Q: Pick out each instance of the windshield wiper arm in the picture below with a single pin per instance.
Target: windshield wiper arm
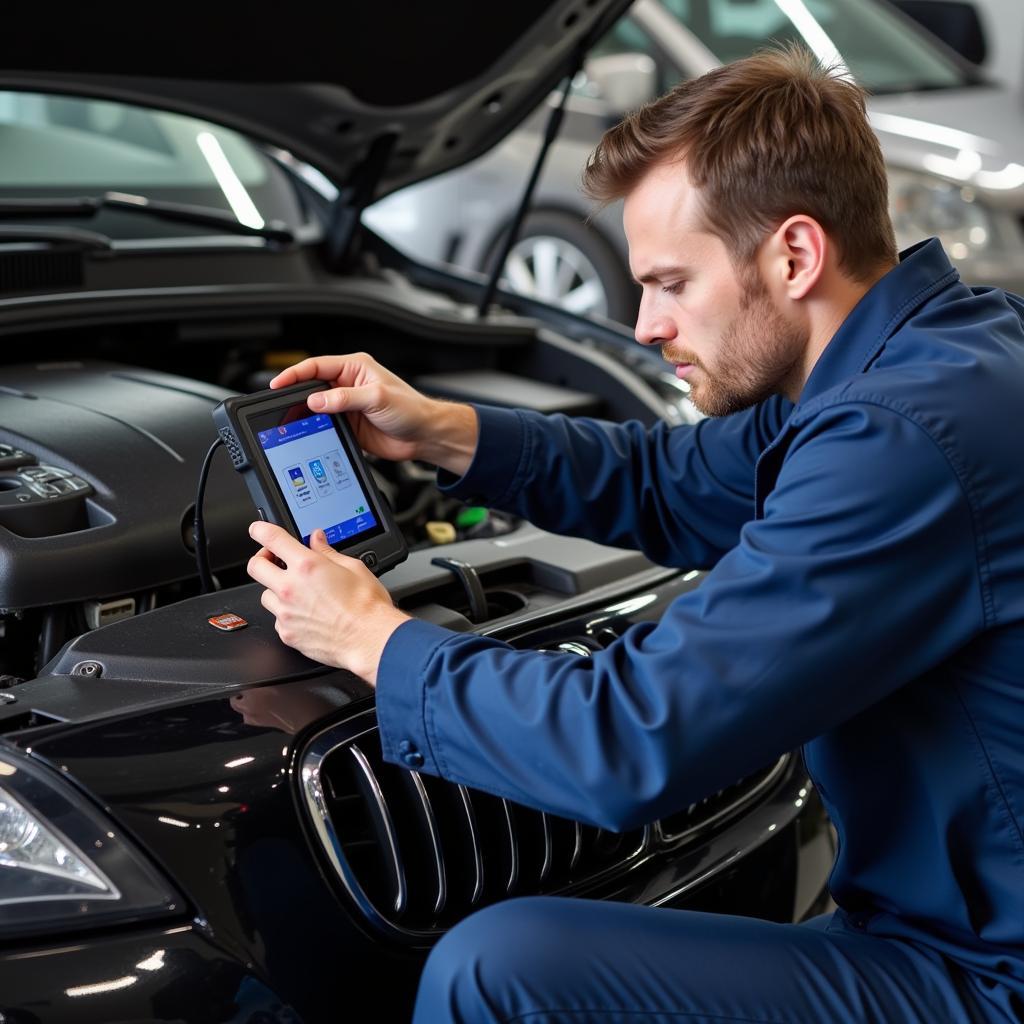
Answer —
(182, 213)
(33, 236)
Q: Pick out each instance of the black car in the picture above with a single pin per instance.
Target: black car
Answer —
(196, 823)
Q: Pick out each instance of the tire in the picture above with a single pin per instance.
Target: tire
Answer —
(560, 260)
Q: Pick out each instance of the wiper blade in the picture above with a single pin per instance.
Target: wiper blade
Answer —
(32, 236)
(182, 213)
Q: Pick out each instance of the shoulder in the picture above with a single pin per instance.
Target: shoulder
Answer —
(869, 438)
(956, 372)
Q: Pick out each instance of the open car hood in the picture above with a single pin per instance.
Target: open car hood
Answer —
(375, 95)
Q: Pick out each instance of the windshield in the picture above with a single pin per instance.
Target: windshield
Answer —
(883, 53)
(60, 146)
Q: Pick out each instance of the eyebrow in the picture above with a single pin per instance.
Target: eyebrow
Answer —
(661, 273)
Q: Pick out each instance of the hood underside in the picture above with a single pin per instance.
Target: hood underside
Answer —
(425, 87)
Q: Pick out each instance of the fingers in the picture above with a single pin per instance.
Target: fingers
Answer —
(277, 542)
(316, 368)
(346, 399)
(345, 369)
(271, 602)
(264, 570)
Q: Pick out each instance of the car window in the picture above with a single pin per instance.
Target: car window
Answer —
(882, 53)
(625, 36)
(58, 146)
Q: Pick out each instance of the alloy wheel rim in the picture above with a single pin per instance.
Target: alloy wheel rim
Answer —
(555, 271)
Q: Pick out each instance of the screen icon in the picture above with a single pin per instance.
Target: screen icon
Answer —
(316, 467)
(302, 494)
(338, 466)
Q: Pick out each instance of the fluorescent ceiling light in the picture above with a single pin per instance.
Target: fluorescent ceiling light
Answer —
(230, 184)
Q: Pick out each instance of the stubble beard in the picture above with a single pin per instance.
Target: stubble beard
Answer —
(760, 351)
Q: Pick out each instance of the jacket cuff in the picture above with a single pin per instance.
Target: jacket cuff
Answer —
(496, 462)
(400, 694)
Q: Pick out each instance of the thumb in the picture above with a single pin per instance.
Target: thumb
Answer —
(318, 543)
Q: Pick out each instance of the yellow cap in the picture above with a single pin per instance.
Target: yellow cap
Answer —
(440, 532)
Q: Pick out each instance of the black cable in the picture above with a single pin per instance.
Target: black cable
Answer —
(199, 530)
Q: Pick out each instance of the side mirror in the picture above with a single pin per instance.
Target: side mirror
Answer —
(955, 22)
(624, 81)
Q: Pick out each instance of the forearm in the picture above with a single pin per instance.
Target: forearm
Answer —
(453, 438)
(680, 495)
(612, 483)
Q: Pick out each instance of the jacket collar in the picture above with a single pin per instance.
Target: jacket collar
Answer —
(923, 270)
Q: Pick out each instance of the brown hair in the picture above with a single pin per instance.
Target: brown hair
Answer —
(763, 138)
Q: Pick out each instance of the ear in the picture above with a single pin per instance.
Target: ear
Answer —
(797, 252)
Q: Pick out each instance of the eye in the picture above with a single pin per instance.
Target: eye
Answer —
(673, 289)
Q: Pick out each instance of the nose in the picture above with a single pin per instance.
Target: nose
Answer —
(653, 327)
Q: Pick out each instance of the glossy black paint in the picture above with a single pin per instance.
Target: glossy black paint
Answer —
(208, 789)
(204, 780)
(171, 974)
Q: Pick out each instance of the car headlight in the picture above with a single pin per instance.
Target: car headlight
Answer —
(62, 865)
(922, 206)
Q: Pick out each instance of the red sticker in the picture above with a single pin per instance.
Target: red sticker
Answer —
(227, 622)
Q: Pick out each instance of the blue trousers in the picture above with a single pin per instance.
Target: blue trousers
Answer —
(542, 960)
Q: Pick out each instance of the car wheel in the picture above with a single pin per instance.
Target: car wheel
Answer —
(560, 260)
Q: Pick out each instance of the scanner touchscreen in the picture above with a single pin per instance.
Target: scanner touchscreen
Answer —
(314, 473)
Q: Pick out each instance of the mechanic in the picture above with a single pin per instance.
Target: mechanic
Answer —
(856, 494)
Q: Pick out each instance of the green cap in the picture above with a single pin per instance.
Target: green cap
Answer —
(470, 516)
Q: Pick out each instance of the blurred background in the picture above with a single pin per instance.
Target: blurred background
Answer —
(945, 83)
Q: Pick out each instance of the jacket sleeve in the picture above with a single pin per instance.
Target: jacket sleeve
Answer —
(867, 540)
(679, 494)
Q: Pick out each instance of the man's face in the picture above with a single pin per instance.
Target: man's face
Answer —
(721, 329)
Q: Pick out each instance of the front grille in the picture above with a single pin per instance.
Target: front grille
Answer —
(417, 853)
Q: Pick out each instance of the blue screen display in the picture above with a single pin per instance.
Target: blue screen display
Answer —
(317, 478)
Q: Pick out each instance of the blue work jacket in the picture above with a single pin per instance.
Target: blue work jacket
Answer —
(865, 601)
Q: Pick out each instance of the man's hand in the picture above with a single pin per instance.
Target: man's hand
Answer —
(389, 417)
(327, 605)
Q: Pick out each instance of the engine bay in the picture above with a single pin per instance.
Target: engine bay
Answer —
(100, 458)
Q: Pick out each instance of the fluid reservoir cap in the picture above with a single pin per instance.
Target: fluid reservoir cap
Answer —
(470, 516)
(440, 532)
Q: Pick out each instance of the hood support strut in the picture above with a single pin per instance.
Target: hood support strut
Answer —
(550, 134)
(348, 207)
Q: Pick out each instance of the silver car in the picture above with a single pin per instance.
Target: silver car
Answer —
(953, 142)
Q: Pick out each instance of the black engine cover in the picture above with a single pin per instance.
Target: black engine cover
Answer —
(128, 445)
